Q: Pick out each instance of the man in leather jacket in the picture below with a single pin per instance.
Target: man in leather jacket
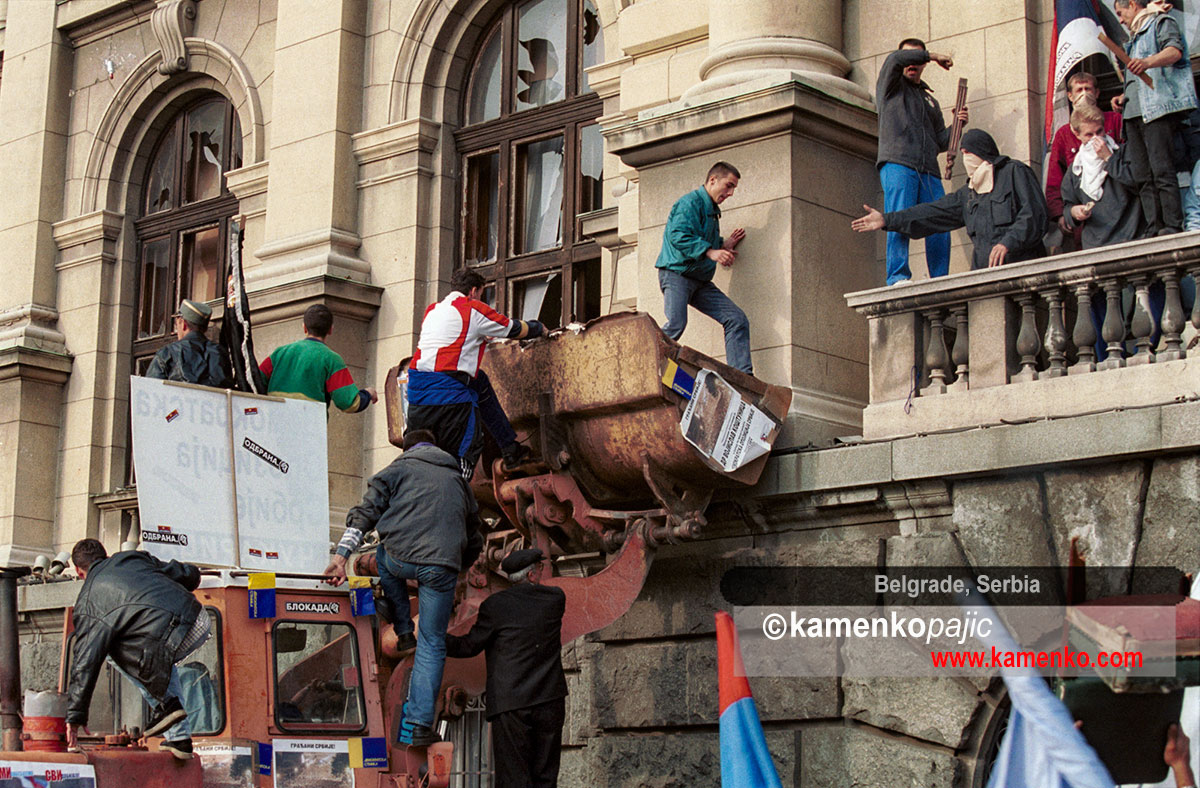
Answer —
(194, 358)
(140, 614)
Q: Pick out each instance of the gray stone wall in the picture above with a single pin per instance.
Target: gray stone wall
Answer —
(643, 704)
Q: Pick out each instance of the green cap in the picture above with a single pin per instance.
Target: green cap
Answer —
(196, 313)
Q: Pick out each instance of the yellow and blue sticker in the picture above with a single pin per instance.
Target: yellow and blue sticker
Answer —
(362, 599)
(262, 595)
(368, 753)
(677, 380)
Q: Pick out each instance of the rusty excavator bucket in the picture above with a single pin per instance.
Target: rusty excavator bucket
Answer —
(613, 476)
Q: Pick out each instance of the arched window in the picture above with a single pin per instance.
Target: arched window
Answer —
(532, 160)
(185, 210)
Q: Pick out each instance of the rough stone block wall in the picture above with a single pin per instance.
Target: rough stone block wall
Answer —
(643, 708)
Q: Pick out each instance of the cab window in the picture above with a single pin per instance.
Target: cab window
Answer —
(318, 680)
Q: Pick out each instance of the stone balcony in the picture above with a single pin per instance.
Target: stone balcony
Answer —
(1018, 343)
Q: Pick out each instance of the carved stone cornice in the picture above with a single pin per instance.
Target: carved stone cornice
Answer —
(172, 21)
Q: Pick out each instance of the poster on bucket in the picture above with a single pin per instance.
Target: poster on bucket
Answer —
(32, 774)
(249, 491)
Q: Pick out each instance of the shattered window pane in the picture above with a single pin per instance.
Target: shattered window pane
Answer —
(160, 188)
(541, 53)
(482, 208)
(593, 42)
(539, 196)
(203, 134)
(153, 308)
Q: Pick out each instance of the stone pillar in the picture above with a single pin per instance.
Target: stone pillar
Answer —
(310, 235)
(34, 362)
(774, 103)
(776, 40)
(312, 203)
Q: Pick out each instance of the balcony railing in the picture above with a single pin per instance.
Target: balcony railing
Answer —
(1040, 339)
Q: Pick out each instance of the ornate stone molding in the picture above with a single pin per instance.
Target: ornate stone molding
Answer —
(172, 22)
(396, 151)
(330, 252)
(32, 328)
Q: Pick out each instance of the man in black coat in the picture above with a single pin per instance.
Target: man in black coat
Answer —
(520, 630)
(1001, 205)
(193, 358)
(139, 613)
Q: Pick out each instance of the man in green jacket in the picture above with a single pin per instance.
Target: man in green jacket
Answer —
(692, 247)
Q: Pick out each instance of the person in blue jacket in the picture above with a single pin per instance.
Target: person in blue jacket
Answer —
(691, 250)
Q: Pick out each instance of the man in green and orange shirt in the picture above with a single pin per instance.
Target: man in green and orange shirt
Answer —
(310, 370)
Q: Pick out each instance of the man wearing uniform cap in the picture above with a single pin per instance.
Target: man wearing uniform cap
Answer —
(520, 631)
(193, 358)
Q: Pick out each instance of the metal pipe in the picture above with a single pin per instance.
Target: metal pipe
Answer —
(10, 662)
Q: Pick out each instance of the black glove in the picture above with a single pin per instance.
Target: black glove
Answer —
(536, 329)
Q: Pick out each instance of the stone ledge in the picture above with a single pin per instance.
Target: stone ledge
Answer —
(1095, 437)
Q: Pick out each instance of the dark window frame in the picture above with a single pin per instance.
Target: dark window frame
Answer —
(505, 135)
(316, 728)
(177, 222)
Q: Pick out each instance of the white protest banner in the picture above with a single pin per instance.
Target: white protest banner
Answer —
(323, 763)
(193, 463)
(724, 427)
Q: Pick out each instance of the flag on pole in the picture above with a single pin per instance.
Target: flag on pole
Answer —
(1075, 36)
(236, 339)
(745, 760)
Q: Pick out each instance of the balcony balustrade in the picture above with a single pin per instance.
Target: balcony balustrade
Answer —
(1059, 336)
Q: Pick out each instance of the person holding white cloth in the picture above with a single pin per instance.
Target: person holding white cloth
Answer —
(1099, 192)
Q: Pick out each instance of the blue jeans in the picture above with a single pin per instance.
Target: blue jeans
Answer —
(679, 291)
(435, 600)
(495, 420)
(904, 187)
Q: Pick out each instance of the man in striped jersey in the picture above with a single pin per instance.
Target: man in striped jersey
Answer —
(447, 392)
(311, 370)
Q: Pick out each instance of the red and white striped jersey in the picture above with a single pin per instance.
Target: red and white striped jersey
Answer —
(454, 332)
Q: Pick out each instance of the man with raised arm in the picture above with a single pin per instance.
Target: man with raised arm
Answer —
(448, 394)
(912, 133)
(311, 370)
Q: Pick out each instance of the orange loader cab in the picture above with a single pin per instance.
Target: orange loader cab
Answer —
(269, 699)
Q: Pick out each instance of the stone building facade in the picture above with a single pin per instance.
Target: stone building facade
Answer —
(373, 145)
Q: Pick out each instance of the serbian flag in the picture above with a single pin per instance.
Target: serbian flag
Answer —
(745, 761)
(1076, 35)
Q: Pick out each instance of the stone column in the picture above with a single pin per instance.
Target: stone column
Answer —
(311, 238)
(34, 362)
(775, 40)
(312, 203)
(774, 103)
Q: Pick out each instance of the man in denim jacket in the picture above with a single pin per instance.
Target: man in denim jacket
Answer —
(1153, 115)
(692, 247)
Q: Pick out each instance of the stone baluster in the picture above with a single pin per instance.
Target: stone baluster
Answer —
(1029, 344)
(1173, 319)
(1056, 334)
(1084, 334)
(1143, 323)
(1113, 329)
(937, 358)
(1195, 272)
(961, 352)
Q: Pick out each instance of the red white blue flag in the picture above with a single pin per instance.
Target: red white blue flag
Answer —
(745, 760)
(1077, 28)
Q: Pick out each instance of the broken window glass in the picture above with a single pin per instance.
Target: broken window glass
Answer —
(201, 254)
(591, 168)
(539, 196)
(541, 53)
(539, 298)
(203, 134)
(160, 190)
(593, 42)
(153, 308)
(481, 208)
